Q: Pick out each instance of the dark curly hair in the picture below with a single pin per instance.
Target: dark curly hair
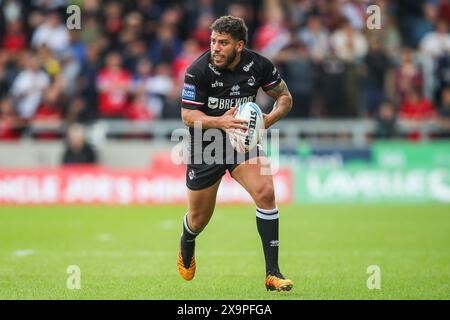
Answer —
(234, 26)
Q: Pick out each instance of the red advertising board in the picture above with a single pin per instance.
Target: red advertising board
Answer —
(100, 185)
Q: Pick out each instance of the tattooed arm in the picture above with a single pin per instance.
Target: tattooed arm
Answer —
(282, 105)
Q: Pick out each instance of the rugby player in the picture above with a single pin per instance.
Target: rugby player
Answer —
(222, 78)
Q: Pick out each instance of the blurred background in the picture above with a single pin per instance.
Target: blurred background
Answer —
(370, 121)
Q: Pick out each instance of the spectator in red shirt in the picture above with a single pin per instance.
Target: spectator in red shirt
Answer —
(114, 84)
(49, 110)
(190, 52)
(416, 107)
(444, 10)
(14, 39)
(272, 35)
(49, 113)
(202, 33)
(138, 110)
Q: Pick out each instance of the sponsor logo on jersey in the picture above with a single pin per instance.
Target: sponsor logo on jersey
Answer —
(188, 91)
(247, 67)
(216, 84)
(225, 104)
(214, 69)
(213, 103)
(235, 90)
(251, 81)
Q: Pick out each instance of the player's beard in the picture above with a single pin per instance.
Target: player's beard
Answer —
(229, 61)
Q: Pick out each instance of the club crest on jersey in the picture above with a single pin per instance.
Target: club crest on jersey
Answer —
(191, 174)
(247, 67)
(235, 90)
(251, 81)
(188, 91)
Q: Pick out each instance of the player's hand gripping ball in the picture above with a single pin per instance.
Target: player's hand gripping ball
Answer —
(244, 141)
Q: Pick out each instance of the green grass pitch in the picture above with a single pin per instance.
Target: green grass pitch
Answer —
(130, 252)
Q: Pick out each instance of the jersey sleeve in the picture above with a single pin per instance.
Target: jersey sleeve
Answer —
(271, 76)
(194, 92)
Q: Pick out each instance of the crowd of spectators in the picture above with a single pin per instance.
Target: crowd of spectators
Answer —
(128, 58)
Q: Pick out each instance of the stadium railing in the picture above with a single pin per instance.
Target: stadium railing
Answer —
(356, 132)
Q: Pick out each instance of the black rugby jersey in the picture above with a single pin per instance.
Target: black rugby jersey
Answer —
(215, 91)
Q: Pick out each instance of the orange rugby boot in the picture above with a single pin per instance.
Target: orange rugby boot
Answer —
(277, 282)
(186, 272)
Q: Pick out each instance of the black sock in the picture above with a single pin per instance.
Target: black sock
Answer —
(267, 223)
(187, 242)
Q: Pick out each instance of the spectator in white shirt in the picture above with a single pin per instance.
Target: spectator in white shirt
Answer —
(315, 37)
(349, 44)
(28, 87)
(52, 33)
(436, 43)
(435, 49)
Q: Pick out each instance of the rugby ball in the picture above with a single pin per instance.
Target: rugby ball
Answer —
(244, 141)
